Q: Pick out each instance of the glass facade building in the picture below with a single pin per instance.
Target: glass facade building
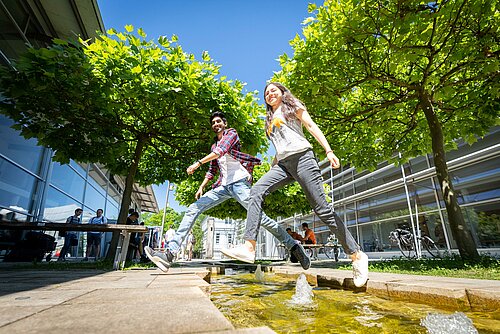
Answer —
(32, 186)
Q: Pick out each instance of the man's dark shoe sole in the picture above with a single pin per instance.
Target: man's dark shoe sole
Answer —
(300, 255)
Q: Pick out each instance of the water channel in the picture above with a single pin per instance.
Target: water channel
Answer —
(271, 300)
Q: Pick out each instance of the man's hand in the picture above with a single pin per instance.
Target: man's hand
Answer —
(199, 193)
(193, 167)
(334, 161)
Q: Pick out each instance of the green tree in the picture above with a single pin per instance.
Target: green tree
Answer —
(408, 77)
(198, 235)
(283, 202)
(138, 107)
(172, 218)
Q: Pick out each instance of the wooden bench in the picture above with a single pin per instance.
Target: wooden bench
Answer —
(124, 230)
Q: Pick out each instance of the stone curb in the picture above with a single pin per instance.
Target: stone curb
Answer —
(452, 293)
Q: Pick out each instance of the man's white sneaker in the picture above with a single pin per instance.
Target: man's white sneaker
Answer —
(360, 269)
(240, 252)
(158, 258)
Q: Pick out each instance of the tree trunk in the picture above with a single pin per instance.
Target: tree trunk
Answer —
(459, 229)
(127, 196)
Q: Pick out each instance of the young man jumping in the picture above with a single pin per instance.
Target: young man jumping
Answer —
(235, 175)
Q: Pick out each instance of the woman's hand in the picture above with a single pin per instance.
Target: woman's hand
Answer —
(334, 161)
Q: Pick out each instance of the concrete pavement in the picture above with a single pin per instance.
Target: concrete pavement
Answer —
(90, 301)
(137, 301)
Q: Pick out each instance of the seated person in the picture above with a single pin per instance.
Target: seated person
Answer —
(293, 234)
(310, 239)
(136, 239)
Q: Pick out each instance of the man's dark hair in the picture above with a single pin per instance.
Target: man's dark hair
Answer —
(218, 114)
(130, 211)
(135, 213)
(289, 229)
(78, 209)
(305, 225)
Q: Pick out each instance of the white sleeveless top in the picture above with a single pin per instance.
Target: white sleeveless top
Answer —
(287, 136)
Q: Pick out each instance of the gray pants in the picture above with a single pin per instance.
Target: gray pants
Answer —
(303, 168)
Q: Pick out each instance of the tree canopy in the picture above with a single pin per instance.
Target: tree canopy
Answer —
(363, 68)
(172, 218)
(407, 77)
(139, 107)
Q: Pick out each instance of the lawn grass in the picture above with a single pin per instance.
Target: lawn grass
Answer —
(449, 266)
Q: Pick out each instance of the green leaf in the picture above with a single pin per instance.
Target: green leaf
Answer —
(141, 33)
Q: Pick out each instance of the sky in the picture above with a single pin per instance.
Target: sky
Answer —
(244, 37)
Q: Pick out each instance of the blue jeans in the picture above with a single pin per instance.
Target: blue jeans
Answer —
(303, 168)
(67, 244)
(240, 191)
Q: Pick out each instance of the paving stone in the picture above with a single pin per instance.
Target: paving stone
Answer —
(484, 299)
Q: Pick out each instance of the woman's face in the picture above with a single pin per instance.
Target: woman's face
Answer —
(273, 96)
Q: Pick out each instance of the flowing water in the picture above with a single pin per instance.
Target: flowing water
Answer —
(249, 303)
(259, 274)
(303, 296)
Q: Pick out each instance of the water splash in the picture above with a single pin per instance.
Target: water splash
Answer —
(259, 274)
(367, 317)
(456, 323)
(303, 292)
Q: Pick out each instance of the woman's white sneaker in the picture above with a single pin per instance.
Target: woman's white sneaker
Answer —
(240, 252)
(360, 269)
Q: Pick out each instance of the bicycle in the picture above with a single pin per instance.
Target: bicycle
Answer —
(407, 246)
(331, 249)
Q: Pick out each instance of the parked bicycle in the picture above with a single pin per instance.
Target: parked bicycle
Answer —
(331, 248)
(406, 243)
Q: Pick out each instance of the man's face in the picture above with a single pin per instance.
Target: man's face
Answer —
(304, 228)
(79, 212)
(218, 125)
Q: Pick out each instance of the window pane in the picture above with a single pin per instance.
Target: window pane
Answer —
(378, 178)
(484, 221)
(58, 206)
(16, 187)
(93, 199)
(383, 206)
(416, 165)
(80, 168)
(66, 179)
(97, 179)
(478, 182)
(111, 213)
(423, 193)
(15, 147)
(11, 216)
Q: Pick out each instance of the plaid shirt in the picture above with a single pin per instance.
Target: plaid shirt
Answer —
(230, 144)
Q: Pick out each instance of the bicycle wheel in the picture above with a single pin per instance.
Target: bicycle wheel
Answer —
(431, 247)
(309, 252)
(407, 248)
